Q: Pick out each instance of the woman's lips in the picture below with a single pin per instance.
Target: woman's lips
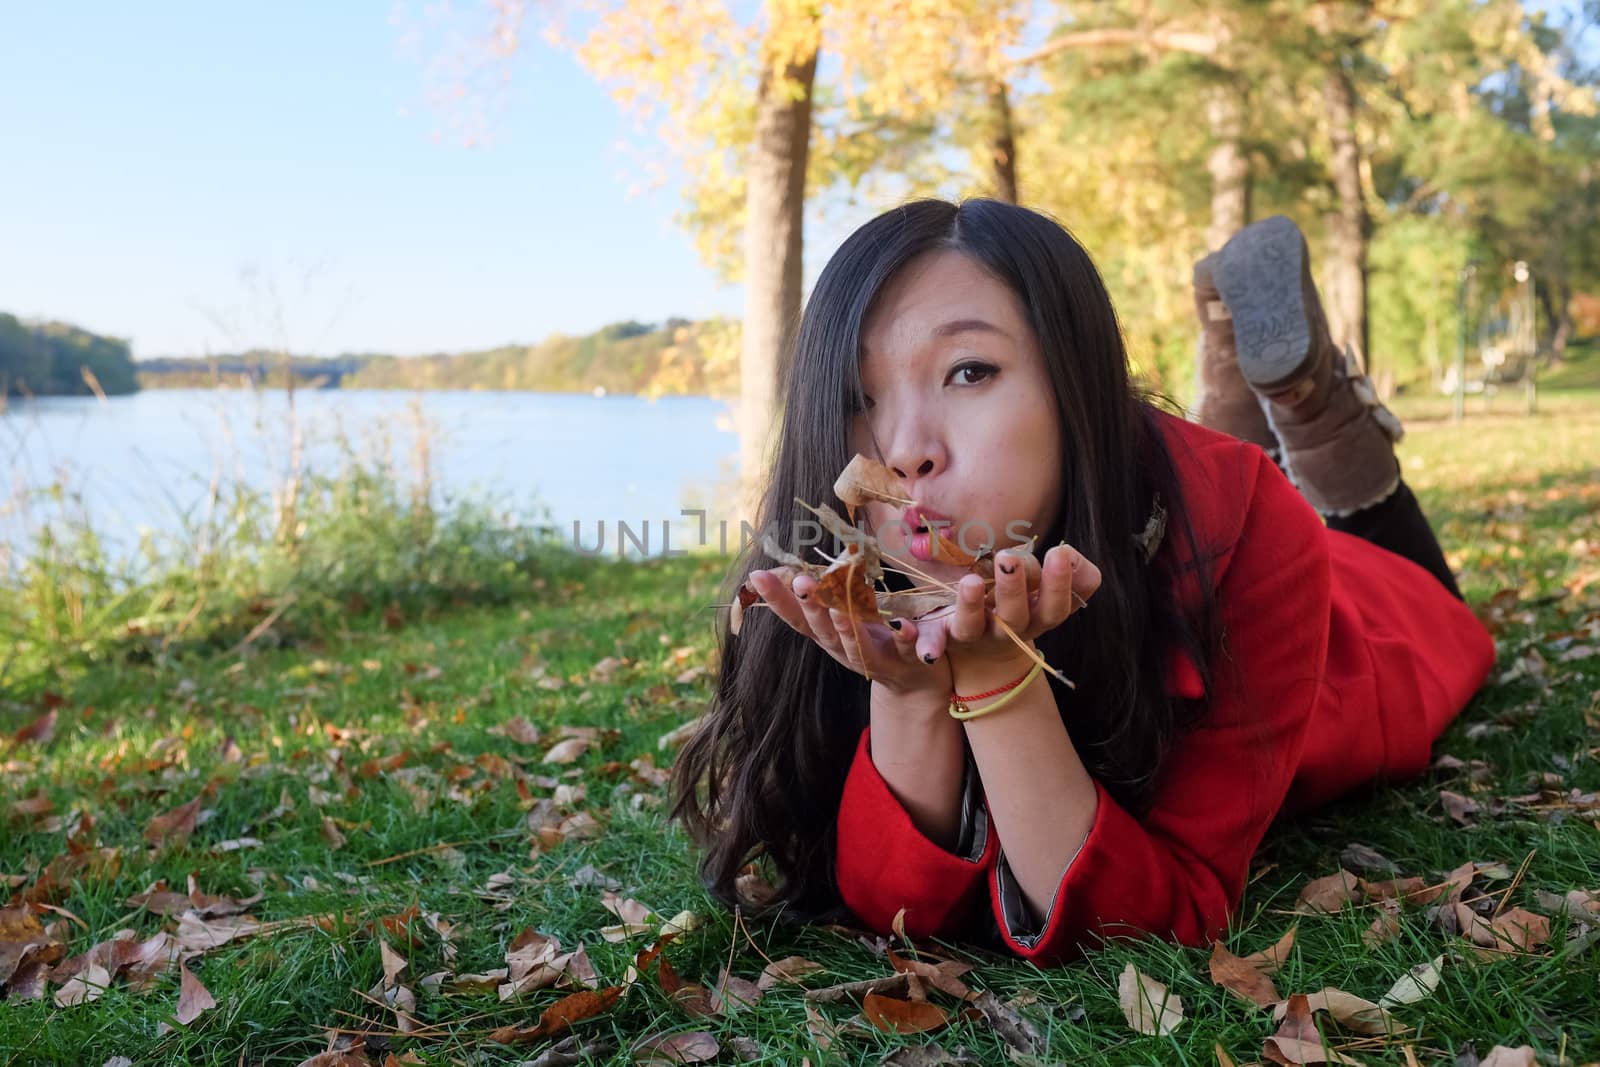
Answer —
(920, 522)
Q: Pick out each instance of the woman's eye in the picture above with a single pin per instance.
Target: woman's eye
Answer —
(972, 373)
(862, 404)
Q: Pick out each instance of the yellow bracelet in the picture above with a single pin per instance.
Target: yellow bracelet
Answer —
(960, 711)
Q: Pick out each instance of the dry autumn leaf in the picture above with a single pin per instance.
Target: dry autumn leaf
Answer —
(1349, 1011)
(864, 479)
(84, 987)
(568, 751)
(1269, 961)
(1018, 1033)
(1298, 1041)
(193, 998)
(174, 827)
(1240, 978)
(1502, 1056)
(695, 1047)
(788, 969)
(624, 908)
(576, 1007)
(1416, 984)
(1331, 893)
(1146, 1003)
(902, 1016)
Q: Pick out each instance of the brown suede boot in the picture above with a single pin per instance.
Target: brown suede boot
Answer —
(1338, 441)
(1224, 401)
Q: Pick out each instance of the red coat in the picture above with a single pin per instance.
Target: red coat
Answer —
(1347, 661)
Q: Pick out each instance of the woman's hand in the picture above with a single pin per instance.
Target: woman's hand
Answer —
(886, 654)
(1031, 599)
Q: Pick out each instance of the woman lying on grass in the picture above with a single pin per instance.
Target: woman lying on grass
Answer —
(1236, 658)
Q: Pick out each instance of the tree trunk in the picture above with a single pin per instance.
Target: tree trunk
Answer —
(1002, 144)
(775, 200)
(1228, 164)
(1349, 227)
(1554, 296)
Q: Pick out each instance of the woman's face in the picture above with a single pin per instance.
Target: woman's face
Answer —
(960, 408)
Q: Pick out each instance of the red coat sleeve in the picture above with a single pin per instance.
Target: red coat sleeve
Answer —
(1180, 869)
(885, 863)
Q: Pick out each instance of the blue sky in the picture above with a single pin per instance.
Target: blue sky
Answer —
(210, 177)
(153, 152)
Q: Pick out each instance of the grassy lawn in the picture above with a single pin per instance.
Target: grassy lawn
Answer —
(376, 789)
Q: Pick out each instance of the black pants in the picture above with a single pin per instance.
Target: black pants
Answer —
(1398, 525)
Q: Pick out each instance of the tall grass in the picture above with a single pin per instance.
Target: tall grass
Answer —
(290, 562)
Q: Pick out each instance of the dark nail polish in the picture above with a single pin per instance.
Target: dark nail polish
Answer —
(894, 624)
(803, 596)
(1007, 568)
(927, 658)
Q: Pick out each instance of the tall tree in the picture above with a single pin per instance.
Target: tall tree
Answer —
(744, 99)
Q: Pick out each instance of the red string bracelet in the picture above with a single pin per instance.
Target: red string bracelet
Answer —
(991, 693)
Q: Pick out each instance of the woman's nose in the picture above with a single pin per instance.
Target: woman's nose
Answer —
(923, 469)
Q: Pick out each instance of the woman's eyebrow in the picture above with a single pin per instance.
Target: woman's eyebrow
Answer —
(950, 329)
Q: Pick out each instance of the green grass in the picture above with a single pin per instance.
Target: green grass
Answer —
(1515, 500)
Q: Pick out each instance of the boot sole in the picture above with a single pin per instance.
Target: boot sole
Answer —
(1258, 274)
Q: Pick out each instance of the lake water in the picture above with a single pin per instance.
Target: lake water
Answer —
(145, 461)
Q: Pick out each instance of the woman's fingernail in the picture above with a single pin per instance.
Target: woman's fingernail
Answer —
(894, 624)
(1007, 568)
(802, 596)
(926, 658)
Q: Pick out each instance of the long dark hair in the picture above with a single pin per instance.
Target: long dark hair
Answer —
(764, 775)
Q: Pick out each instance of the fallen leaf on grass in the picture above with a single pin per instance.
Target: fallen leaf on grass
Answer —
(732, 993)
(519, 730)
(31, 809)
(1240, 978)
(1385, 927)
(570, 1009)
(568, 751)
(196, 933)
(788, 969)
(1269, 961)
(682, 923)
(1520, 929)
(929, 1056)
(902, 1016)
(1297, 1040)
(193, 998)
(1577, 902)
(1329, 894)
(174, 827)
(24, 942)
(1364, 858)
(695, 1047)
(338, 1058)
(1146, 1003)
(160, 900)
(1348, 1010)
(676, 736)
(332, 836)
(569, 1052)
(624, 931)
(894, 984)
(1017, 1032)
(86, 986)
(1501, 1056)
(39, 731)
(694, 1000)
(944, 976)
(1416, 984)
(625, 908)
(1460, 808)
